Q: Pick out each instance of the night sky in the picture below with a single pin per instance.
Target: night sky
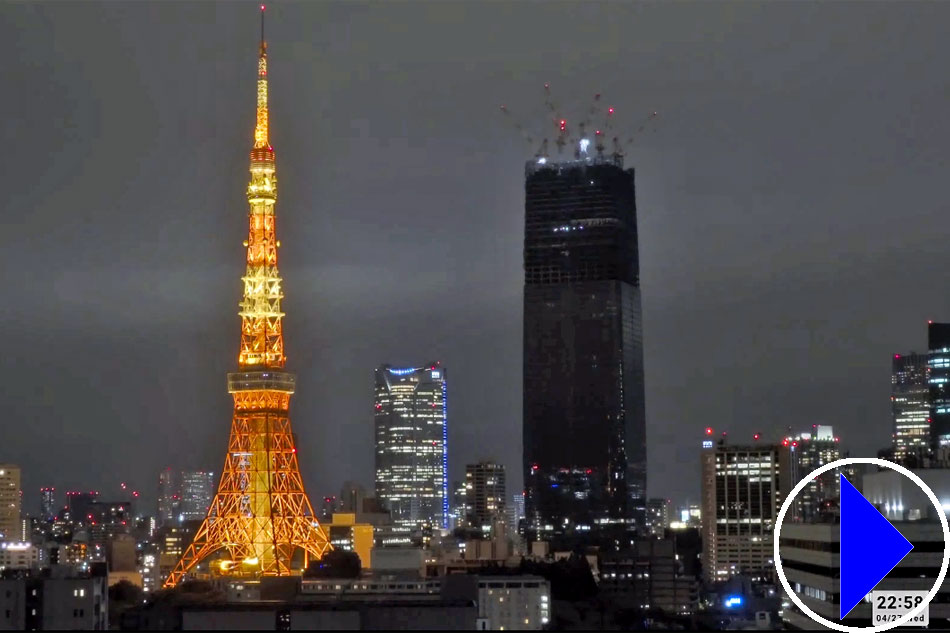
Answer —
(792, 210)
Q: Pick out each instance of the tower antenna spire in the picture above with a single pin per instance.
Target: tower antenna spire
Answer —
(263, 43)
(261, 138)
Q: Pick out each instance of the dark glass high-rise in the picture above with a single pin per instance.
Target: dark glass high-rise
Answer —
(584, 428)
(938, 365)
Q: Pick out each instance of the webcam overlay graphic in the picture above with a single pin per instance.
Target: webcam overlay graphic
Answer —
(870, 547)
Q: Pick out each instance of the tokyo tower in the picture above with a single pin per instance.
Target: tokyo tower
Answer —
(260, 515)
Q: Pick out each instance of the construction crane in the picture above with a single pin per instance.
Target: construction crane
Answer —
(554, 116)
(542, 150)
(596, 118)
(645, 126)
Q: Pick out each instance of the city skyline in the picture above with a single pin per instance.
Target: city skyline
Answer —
(765, 217)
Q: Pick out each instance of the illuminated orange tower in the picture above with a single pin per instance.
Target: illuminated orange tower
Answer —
(261, 514)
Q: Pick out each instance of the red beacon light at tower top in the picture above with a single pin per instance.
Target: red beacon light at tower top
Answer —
(709, 430)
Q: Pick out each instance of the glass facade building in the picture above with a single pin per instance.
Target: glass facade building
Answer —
(584, 433)
(10, 499)
(48, 503)
(168, 496)
(910, 405)
(809, 452)
(197, 491)
(484, 493)
(938, 363)
(412, 444)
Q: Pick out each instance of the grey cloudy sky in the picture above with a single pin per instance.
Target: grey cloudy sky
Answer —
(792, 209)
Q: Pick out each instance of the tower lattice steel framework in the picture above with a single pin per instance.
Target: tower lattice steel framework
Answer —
(261, 514)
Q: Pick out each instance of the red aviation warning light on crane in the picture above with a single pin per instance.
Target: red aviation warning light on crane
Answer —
(591, 132)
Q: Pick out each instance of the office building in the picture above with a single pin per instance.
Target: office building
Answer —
(910, 405)
(11, 528)
(362, 604)
(412, 444)
(122, 557)
(515, 513)
(484, 493)
(659, 516)
(121, 553)
(79, 505)
(352, 497)
(938, 364)
(107, 519)
(505, 603)
(584, 433)
(348, 535)
(148, 569)
(366, 616)
(811, 562)
(57, 601)
(197, 491)
(458, 508)
(328, 506)
(690, 516)
(651, 575)
(172, 541)
(48, 504)
(513, 603)
(900, 499)
(169, 492)
(76, 554)
(15, 555)
(742, 490)
(810, 451)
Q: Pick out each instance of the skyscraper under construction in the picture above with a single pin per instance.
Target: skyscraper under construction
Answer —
(584, 434)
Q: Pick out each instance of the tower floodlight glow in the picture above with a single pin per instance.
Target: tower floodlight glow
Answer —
(260, 516)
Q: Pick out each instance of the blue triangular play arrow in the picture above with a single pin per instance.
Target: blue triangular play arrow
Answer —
(870, 547)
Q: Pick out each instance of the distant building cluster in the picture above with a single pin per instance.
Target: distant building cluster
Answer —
(184, 495)
(743, 488)
(421, 551)
(920, 399)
